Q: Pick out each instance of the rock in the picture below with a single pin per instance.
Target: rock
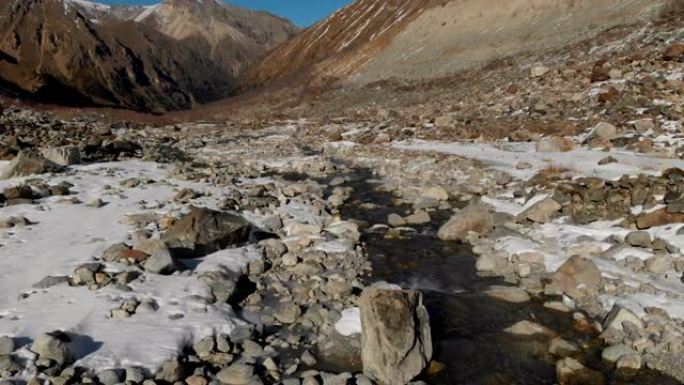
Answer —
(657, 218)
(134, 375)
(28, 163)
(542, 211)
(510, 294)
(603, 130)
(51, 281)
(196, 380)
(674, 52)
(670, 364)
(288, 314)
(555, 144)
(529, 328)
(6, 345)
(521, 135)
(617, 318)
(629, 362)
(438, 193)
(204, 231)
(53, 347)
(613, 353)
(418, 218)
(523, 165)
(639, 239)
(562, 348)
(395, 220)
(18, 192)
(236, 374)
(476, 219)
(63, 156)
(577, 277)
(569, 371)
(171, 371)
(109, 377)
(114, 252)
(644, 125)
(607, 160)
(396, 340)
(538, 71)
(161, 262)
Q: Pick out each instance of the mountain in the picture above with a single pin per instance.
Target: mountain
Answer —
(374, 40)
(171, 56)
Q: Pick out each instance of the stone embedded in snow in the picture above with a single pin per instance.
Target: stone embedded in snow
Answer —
(508, 294)
(607, 160)
(396, 344)
(618, 316)
(203, 231)
(114, 252)
(171, 371)
(555, 144)
(160, 262)
(577, 277)
(657, 218)
(542, 211)
(603, 130)
(6, 345)
(569, 371)
(639, 239)
(473, 219)
(63, 156)
(28, 163)
(53, 347)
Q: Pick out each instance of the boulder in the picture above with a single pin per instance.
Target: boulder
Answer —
(618, 316)
(603, 130)
(52, 346)
(555, 144)
(657, 218)
(63, 156)
(160, 262)
(476, 219)
(542, 211)
(569, 371)
(395, 339)
(577, 277)
(203, 231)
(28, 163)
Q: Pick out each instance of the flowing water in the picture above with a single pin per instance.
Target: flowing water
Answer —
(467, 325)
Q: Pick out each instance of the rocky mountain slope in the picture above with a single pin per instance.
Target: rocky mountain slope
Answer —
(373, 40)
(77, 52)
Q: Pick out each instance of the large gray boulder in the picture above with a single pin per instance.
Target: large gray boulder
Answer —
(204, 231)
(396, 344)
(473, 219)
(28, 163)
(52, 347)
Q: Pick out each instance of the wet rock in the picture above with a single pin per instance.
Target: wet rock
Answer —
(619, 317)
(569, 371)
(204, 231)
(508, 294)
(28, 163)
(396, 339)
(542, 211)
(63, 156)
(577, 277)
(53, 347)
(473, 219)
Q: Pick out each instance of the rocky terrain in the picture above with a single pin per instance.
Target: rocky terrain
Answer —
(518, 223)
(79, 53)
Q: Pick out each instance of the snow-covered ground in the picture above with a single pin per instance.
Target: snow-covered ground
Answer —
(65, 235)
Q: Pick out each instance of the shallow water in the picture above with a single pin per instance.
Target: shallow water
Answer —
(467, 325)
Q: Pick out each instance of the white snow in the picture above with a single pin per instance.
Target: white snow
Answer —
(66, 235)
(350, 323)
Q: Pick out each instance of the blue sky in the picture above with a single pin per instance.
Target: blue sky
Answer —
(301, 12)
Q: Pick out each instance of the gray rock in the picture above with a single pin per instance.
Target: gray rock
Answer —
(395, 220)
(542, 211)
(603, 130)
(396, 340)
(613, 353)
(49, 346)
(161, 262)
(6, 345)
(135, 375)
(204, 231)
(8, 365)
(577, 277)
(205, 346)
(171, 371)
(236, 374)
(50, 282)
(28, 163)
(476, 219)
(639, 239)
(63, 156)
(508, 294)
(617, 318)
(110, 377)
